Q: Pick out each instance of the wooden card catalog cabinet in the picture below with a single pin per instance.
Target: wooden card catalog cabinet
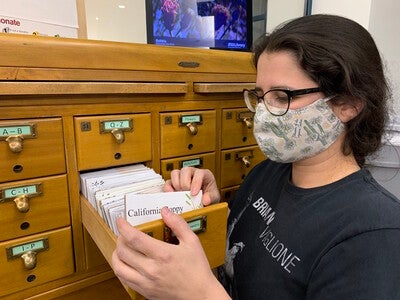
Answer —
(72, 110)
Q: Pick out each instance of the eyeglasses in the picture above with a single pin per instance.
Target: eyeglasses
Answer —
(277, 101)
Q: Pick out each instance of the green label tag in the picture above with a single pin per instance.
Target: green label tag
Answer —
(15, 130)
(119, 124)
(191, 119)
(196, 225)
(32, 246)
(21, 190)
(191, 163)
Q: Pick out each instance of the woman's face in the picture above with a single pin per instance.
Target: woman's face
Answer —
(281, 70)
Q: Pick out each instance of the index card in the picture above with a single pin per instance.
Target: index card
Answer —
(142, 208)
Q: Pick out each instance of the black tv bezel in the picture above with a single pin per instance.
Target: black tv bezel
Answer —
(249, 29)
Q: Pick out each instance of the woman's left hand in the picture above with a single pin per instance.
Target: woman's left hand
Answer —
(158, 270)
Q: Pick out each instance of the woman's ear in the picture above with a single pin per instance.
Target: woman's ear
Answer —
(348, 111)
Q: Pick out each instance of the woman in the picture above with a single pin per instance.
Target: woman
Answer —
(309, 222)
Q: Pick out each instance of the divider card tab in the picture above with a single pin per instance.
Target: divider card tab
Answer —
(142, 208)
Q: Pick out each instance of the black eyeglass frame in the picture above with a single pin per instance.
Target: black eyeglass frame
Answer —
(290, 94)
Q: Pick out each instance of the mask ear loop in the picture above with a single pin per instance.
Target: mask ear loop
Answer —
(329, 98)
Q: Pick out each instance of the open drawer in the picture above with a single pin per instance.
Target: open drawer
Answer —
(209, 223)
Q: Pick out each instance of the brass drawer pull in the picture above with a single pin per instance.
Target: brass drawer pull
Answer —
(246, 118)
(28, 252)
(248, 122)
(119, 135)
(15, 143)
(245, 157)
(29, 259)
(246, 161)
(191, 122)
(15, 134)
(20, 195)
(117, 128)
(22, 203)
(192, 128)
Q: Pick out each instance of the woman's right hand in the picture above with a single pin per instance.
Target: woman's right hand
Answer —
(193, 179)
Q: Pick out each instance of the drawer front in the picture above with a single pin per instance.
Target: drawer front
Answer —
(237, 128)
(227, 194)
(31, 148)
(33, 206)
(112, 140)
(187, 133)
(52, 252)
(236, 164)
(209, 223)
(203, 161)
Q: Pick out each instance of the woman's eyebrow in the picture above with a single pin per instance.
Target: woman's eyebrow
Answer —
(280, 87)
(275, 87)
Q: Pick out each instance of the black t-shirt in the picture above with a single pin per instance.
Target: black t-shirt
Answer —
(339, 241)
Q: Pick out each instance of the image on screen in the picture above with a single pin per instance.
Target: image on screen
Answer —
(221, 24)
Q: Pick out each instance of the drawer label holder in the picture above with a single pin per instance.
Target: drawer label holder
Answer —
(116, 128)
(21, 195)
(246, 117)
(28, 251)
(245, 157)
(196, 162)
(191, 122)
(15, 134)
(197, 225)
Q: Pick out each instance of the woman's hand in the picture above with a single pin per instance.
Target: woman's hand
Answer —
(158, 270)
(193, 179)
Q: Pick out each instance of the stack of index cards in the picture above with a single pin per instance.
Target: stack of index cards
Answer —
(106, 189)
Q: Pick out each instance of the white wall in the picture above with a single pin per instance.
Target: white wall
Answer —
(357, 10)
(384, 25)
(380, 18)
(106, 21)
(279, 11)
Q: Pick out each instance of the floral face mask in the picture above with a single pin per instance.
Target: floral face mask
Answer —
(298, 134)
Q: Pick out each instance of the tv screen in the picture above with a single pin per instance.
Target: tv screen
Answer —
(219, 24)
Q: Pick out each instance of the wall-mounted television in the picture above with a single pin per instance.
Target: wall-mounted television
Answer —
(217, 24)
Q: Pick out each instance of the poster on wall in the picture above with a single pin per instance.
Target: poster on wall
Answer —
(39, 17)
(23, 26)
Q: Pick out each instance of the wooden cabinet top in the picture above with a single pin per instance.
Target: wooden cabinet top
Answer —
(21, 53)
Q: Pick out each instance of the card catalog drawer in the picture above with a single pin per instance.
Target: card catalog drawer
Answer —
(210, 220)
(237, 128)
(201, 161)
(33, 206)
(31, 148)
(112, 140)
(186, 133)
(236, 164)
(35, 260)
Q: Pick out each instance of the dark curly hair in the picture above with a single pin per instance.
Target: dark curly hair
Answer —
(341, 56)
